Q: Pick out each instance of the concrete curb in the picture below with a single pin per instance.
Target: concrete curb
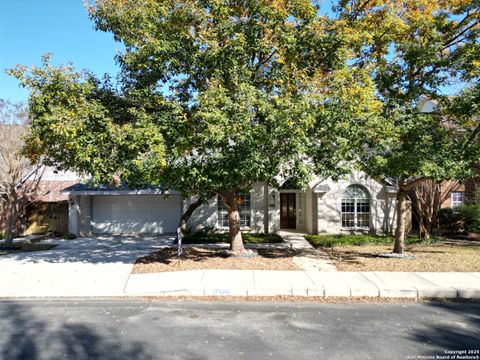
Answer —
(259, 283)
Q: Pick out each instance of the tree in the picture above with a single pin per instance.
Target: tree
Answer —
(230, 93)
(18, 176)
(414, 50)
(428, 196)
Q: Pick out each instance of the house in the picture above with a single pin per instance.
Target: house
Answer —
(356, 203)
(453, 193)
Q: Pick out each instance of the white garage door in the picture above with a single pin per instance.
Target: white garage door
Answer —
(135, 214)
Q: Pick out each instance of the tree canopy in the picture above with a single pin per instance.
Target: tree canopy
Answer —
(214, 96)
(415, 50)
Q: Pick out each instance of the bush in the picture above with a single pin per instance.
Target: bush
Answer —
(69, 236)
(202, 237)
(464, 218)
(470, 215)
(330, 241)
(346, 240)
(2, 235)
(450, 221)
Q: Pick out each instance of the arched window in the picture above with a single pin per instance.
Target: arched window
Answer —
(355, 208)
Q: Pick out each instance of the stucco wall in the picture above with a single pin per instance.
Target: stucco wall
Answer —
(79, 215)
(382, 204)
(205, 217)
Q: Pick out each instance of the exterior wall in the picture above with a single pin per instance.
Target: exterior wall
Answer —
(205, 217)
(79, 215)
(472, 187)
(52, 183)
(50, 190)
(382, 205)
(273, 210)
(446, 189)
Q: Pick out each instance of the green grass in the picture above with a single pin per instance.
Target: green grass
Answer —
(330, 241)
(250, 238)
(25, 246)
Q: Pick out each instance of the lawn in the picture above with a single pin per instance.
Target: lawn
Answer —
(25, 246)
(361, 253)
(249, 238)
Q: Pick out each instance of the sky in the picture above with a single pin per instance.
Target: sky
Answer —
(31, 28)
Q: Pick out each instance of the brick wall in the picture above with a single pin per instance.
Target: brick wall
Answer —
(50, 191)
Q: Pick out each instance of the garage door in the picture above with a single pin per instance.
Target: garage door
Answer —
(135, 214)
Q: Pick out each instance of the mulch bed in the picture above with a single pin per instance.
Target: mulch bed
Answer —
(200, 259)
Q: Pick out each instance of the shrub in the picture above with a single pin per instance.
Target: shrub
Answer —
(464, 218)
(450, 221)
(330, 241)
(346, 240)
(69, 236)
(2, 235)
(470, 215)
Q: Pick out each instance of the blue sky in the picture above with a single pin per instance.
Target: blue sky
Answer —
(31, 28)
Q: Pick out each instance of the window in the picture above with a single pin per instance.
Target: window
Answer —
(457, 198)
(355, 208)
(243, 201)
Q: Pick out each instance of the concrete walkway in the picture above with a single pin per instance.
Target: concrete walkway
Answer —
(309, 258)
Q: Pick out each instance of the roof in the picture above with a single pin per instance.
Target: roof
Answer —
(89, 189)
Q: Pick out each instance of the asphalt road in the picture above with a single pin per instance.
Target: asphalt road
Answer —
(136, 329)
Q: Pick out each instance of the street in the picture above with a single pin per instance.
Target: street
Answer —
(181, 329)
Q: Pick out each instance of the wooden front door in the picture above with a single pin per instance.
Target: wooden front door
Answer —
(288, 218)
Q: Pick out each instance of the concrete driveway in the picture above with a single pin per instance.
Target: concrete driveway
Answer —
(98, 265)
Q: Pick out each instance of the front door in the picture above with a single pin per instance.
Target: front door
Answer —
(288, 219)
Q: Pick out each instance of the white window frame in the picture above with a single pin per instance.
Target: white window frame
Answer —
(455, 201)
(222, 212)
(355, 212)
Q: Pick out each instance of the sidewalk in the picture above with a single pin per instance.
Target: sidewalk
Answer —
(305, 283)
(115, 280)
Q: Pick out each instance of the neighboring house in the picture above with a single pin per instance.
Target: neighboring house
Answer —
(48, 213)
(453, 193)
(354, 204)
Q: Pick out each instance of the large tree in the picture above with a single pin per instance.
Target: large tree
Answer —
(416, 50)
(19, 178)
(229, 93)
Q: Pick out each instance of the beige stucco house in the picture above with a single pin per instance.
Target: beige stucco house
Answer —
(356, 203)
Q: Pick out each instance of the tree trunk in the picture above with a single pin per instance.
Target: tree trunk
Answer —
(424, 230)
(401, 216)
(235, 236)
(186, 215)
(12, 218)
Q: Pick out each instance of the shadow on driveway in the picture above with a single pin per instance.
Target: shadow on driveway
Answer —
(102, 249)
